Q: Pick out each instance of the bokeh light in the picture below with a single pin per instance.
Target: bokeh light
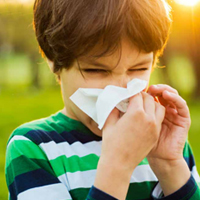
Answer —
(16, 1)
(188, 2)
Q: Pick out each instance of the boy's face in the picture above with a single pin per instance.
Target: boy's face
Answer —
(133, 64)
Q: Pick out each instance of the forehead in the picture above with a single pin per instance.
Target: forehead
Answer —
(128, 54)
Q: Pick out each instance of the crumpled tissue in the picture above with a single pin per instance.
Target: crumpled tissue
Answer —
(98, 103)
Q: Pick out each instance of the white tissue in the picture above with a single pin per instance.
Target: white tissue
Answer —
(98, 103)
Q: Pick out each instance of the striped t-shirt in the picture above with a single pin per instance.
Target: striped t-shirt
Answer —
(55, 158)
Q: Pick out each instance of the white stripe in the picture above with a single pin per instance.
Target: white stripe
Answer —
(63, 179)
(54, 150)
(195, 174)
(17, 137)
(50, 192)
(86, 179)
(143, 173)
(157, 191)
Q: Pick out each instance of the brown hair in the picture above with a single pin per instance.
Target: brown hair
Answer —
(68, 29)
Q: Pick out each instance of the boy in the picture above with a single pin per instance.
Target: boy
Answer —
(141, 154)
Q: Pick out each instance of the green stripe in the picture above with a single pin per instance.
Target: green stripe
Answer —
(40, 124)
(196, 195)
(144, 162)
(187, 151)
(140, 190)
(62, 164)
(23, 147)
(135, 191)
(56, 121)
(79, 193)
(22, 164)
(72, 164)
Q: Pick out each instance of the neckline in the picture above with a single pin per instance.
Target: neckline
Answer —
(74, 124)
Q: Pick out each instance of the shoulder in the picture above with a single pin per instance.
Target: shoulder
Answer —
(27, 139)
(37, 131)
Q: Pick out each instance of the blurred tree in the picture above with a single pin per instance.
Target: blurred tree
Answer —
(17, 32)
(185, 38)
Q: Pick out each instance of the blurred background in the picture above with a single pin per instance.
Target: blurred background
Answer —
(29, 91)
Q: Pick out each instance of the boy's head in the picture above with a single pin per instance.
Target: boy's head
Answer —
(94, 43)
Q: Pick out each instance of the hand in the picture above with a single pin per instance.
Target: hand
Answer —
(175, 126)
(130, 138)
(126, 141)
(166, 158)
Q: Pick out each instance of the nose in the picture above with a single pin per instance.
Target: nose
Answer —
(121, 81)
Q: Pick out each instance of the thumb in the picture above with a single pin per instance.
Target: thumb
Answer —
(112, 118)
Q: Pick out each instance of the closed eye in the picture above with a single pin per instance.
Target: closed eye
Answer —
(104, 71)
(140, 69)
(95, 71)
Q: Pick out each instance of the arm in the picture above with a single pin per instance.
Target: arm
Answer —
(166, 158)
(188, 188)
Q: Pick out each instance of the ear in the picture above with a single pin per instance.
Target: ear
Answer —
(51, 66)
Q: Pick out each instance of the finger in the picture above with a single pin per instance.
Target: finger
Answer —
(159, 112)
(112, 118)
(135, 103)
(148, 104)
(173, 117)
(157, 90)
(179, 102)
(165, 103)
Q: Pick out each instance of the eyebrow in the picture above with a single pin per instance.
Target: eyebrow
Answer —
(97, 64)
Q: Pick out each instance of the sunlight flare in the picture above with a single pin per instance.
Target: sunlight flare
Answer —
(188, 2)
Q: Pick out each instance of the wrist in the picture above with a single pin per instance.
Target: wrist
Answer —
(111, 176)
(117, 164)
(112, 165)
(172, 175)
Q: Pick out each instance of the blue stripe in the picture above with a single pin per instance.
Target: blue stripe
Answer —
(76, 136)
(190, 161)
(30, 180)
(41, 136)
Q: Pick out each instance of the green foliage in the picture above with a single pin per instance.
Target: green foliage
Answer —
(182, 75)
(17, 33)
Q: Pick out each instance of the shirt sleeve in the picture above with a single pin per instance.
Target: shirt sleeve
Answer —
(97, 194)
(191, 190)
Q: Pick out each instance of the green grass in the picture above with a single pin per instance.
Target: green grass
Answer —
(20, 107)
